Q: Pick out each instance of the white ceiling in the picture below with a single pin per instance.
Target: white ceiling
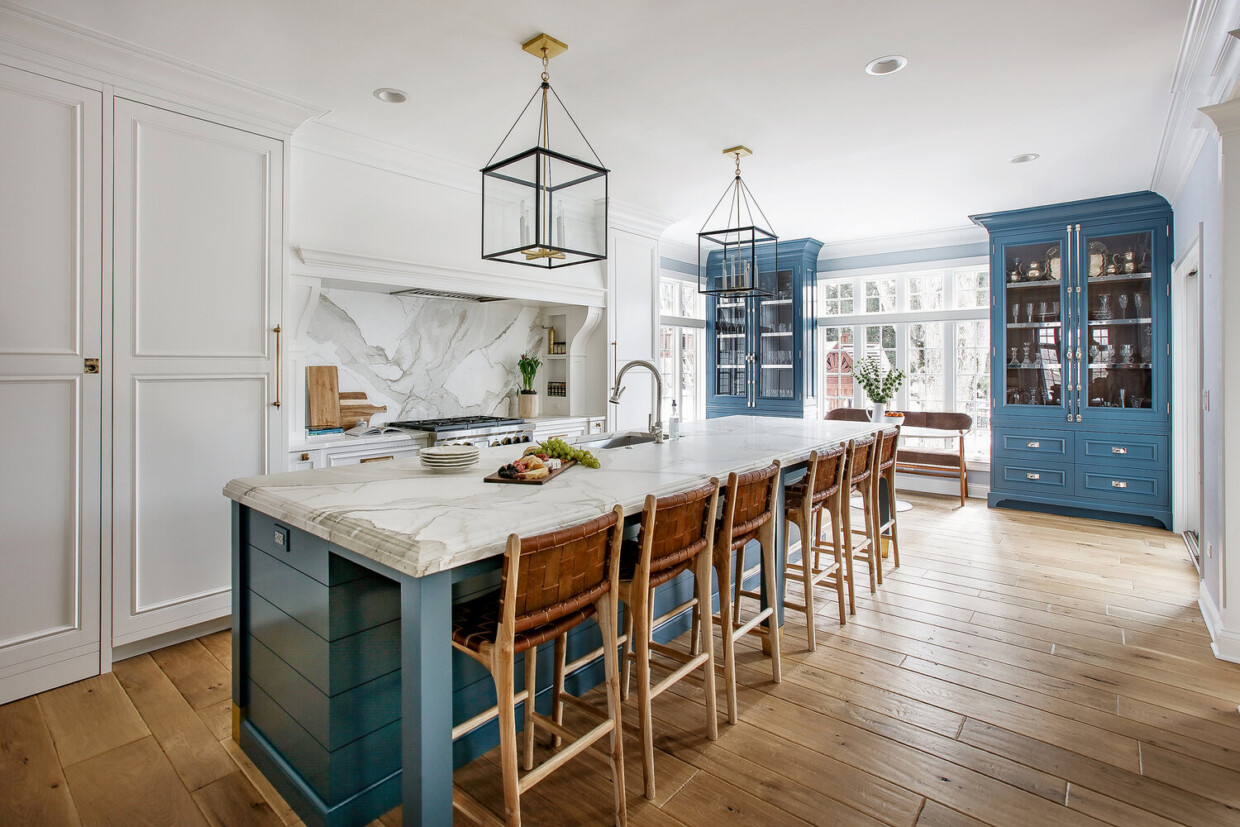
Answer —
(661, 87)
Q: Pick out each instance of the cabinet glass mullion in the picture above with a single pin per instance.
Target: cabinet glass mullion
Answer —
(1034, 328)
(1118, 321)
(775, 340)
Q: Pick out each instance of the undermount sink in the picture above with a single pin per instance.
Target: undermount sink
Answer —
(616, 440)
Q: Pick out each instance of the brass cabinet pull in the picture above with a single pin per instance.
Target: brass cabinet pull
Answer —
(276, 330)
(1118, 484)
(1115, 449)
(1033, 444)
(378, 459)
(1032, 476)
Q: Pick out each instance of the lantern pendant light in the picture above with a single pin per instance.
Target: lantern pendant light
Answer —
(737, 256)
(545, 206)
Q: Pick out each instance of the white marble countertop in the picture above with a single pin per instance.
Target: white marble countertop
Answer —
(419, 522)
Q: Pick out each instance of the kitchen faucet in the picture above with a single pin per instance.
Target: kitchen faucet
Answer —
(656, 417)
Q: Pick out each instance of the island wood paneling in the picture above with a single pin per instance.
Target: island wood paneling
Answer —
(1018, 669)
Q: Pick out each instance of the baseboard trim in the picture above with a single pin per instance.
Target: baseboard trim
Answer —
(150, 644)
(1225, 644)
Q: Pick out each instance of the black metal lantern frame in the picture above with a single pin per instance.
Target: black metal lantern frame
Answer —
(741, 259)
(543, 207)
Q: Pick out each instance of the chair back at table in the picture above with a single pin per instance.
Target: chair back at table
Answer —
(848, 415)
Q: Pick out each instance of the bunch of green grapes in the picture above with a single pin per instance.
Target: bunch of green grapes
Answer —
(560, 449)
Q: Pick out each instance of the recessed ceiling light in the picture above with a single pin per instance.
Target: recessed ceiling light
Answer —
(886, 65)
(391, 95)
(1025, 157)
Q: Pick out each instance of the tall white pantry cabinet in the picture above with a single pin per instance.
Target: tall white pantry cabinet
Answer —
(141, 272)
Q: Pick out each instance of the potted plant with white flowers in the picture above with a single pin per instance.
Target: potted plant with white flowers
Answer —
(527, 399)
(879, 385)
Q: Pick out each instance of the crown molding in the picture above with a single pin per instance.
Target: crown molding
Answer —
(1205, 74)
(334, 142)
(46, 41)
(1225, 117)
(361, 272)
(904, 242)
(630, 218)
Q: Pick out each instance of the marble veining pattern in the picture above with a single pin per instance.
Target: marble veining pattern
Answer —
(419, 522)
(424, 357)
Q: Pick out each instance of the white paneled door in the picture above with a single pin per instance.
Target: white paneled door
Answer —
(50, 408)
(197, 257)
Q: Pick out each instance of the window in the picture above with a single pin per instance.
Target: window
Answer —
(930, 310)
(682, 337)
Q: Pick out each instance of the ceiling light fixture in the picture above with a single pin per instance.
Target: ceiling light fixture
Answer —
(1025, 157)
(888, 65)
(740, 258)
(545, 207)
(388, 95)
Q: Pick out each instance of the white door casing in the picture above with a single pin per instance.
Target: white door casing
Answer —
(51, 317)
(1187, 401)
(197, 236)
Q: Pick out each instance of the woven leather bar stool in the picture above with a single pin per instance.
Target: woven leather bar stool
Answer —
(748, 514)
(886, 472)
(861, 474)
(551, 583)
(677, 534)
(820, 489)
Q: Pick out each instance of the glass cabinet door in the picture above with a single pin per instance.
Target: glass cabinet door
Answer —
(1033, 326)
(1117, 317)
(776, 337)
(731, 333)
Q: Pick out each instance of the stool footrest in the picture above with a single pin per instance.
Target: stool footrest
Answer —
(582, 743)
(484, 716)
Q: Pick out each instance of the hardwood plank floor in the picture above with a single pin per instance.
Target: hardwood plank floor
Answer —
(1017, 669)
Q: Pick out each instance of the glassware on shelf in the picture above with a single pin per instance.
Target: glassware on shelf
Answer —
(1137, 302)
(1125, 354)
(1029, 312)
(1015, 313)
(1137, 402)
(1027, 361)
(1123, 305)
(1014, 363)
(1042, 312)
(1103, 313)
(1147, 344)
(1097, 259)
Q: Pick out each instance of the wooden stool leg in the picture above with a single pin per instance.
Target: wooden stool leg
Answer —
(557, 688)
(695, 640)
(807, 572)
(840, 572)
(723, 570)
(502, 671)
(895, 523)
(767, 540)
(876, 519)
(641, 638)
(527, 734)
(606, 613)
(626, 662)
(701, 582)
(845, 511)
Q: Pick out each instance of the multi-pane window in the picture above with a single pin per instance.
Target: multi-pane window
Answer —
(938, 333)
(682, 337)
(880, 295)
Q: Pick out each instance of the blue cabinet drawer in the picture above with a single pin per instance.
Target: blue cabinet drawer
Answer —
(333, 721)
(1034, 442)
(334, 775)
(303, 551)
(1133, 486)
(332, 666)
(1124, 450)
(331, 612)
(1033, 476)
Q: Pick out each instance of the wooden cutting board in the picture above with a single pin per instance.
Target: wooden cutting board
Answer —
(355, 407)
(323, 393)
(497, 478)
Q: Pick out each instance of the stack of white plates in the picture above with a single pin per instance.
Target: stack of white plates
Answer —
(449, 457)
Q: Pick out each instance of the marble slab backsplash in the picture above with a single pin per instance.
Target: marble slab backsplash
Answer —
(424, 357)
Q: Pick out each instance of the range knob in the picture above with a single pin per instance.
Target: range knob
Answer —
(507, 440)
(495, 443)
(525, 437)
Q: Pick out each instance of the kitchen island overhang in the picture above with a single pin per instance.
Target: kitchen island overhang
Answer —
(351, 572)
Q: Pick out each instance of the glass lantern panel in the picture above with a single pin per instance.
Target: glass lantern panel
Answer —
(576, 208)
(509, 206)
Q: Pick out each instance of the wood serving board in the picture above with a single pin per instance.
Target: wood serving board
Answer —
(567, 464)
(323, 392)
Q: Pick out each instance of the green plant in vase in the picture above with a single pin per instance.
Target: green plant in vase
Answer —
(879, 385)
(527, 399)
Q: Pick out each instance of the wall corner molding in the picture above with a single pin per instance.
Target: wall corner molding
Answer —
(43, 40)
(1225, 642)
(631, 218)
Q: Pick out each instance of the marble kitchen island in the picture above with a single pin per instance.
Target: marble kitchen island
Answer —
(343, 580)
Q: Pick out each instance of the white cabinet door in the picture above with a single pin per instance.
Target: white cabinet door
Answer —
(50, 322)
(632, 302)
(197, 236)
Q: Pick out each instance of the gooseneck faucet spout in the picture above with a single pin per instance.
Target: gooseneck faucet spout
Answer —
(656, 415)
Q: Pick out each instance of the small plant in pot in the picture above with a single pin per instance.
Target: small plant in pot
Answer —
(527, 399)
(878, 385)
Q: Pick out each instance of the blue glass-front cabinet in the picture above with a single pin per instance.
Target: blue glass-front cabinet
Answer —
(760, 351)
(1081, 357)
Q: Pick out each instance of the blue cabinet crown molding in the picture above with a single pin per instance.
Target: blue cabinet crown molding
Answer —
(1131, 205)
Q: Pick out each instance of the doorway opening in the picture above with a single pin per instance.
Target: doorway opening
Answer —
(1186, 312)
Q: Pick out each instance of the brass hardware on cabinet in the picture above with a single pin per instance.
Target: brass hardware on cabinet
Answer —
(1115, 449)
(1032, 476)
(1033, 444)
(305, 457)
(276, 330)
(90, 367)
(1118, 484)
(378, 459)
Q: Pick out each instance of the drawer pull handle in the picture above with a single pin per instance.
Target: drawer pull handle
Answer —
(1115, 449)
(379, 459)
(1032, 476)
(1033, 444)
(1118, 484)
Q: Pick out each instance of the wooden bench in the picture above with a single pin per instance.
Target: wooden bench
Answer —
(947, 464)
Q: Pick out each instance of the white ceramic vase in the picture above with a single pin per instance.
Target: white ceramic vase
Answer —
(527, 404)
(876, 415)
